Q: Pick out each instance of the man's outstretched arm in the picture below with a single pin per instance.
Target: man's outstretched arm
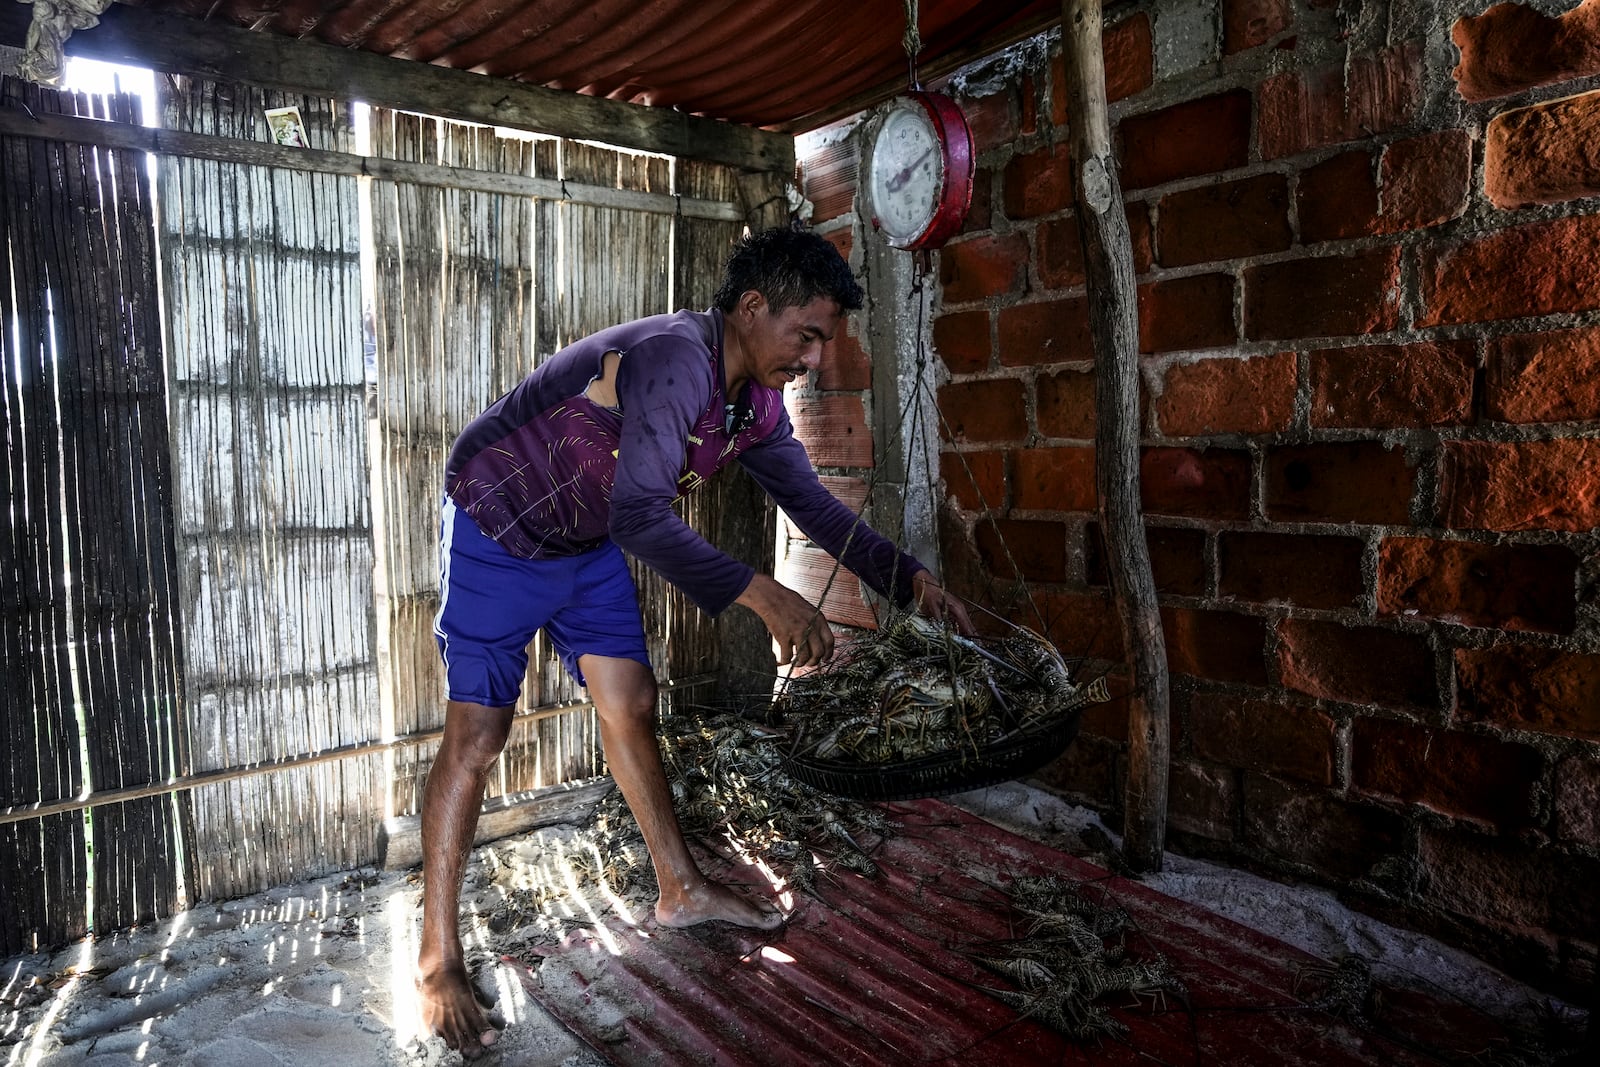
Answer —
(939, 604)
(802, 634)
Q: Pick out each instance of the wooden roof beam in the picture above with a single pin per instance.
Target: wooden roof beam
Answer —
(180, 45)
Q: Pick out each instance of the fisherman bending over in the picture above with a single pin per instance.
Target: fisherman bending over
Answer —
(546, 490)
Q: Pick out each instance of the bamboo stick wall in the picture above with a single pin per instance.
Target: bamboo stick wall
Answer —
(262, 274)
(255, 585)
(88, 695)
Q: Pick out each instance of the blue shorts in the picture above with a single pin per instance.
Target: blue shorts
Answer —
(491, 603)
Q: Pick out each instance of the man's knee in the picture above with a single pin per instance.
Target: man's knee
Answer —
(624, 691)
(477, 733)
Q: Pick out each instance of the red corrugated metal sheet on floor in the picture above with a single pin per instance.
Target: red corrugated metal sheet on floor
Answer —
(877, 973)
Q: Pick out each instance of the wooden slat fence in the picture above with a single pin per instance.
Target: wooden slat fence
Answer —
(219, 668)
(89, 693)
(262, 273)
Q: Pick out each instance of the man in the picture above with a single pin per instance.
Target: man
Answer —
(548, 487)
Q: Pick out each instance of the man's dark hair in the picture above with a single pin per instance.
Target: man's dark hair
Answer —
(790, 268)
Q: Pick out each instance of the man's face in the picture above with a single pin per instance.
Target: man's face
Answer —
(785, 345)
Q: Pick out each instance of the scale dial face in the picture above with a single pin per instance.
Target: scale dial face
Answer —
(919, 177)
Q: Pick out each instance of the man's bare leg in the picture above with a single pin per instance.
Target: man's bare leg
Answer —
(624, 693)
(473, 738)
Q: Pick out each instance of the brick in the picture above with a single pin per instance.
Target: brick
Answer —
(1531, 688)
(1544, 377)
(1311, 570)
(1028, 106)
(819, 578)
(1354, 481)
(1110, 719)
(1231, 220)
(1177, 558)
(1129, 64)
(1081, 625)
(1543, 154)
(1304, 825)
(1129, 58)
(1324, 659)
(983, 266)
(1087, 770)
(1221, 646)
(1065, 404)
(1393, 386)
(962, 340)
(843, 238)
(834, 428)
(1053, 479)
(992, 120)
(1508, 587)
(829, 180)
(1034, 550)
(1192, 138)
(1536, 269)
(1511, 47)
(1038, 183)
(1508, 883)
(1338, 198)
(1340, 102)
(1060, 247)
(1229, 395)
(1445, 770)
(980, 214)
(1521, 485)
(976, 480)
(1269, 736)
(1249, 23)
(984, 411)
(1424, 181)
(1209, 484)
(845, 364)
(1050, 331)
(1187, 313)
(1202, 801)
(1325, 296)
(1577, 801)
(1059, 260)
(1141, 235)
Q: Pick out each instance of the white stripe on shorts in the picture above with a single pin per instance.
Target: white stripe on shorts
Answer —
(447, 529)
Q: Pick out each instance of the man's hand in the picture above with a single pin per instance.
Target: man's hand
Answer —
(798, 627)
(939, 604)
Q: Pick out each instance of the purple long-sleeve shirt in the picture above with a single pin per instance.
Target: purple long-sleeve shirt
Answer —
(547, 472)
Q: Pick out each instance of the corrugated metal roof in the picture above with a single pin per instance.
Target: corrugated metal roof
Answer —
(879, 972)
(790, 65)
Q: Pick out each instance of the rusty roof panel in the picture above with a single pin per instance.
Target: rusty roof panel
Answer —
(880, 971)
(759, 63)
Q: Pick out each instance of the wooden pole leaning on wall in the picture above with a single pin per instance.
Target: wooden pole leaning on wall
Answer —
(1113, 323)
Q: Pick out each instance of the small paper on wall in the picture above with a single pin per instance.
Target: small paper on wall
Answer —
(287, 129)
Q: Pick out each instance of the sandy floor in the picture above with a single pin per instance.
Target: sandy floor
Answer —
(319, 972)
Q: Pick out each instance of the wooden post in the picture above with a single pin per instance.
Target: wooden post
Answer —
(1113, 322)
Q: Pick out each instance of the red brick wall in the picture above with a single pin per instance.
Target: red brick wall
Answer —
(1369, 304)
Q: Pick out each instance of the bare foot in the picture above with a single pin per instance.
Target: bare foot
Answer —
(451, 1011)
(708, 901)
